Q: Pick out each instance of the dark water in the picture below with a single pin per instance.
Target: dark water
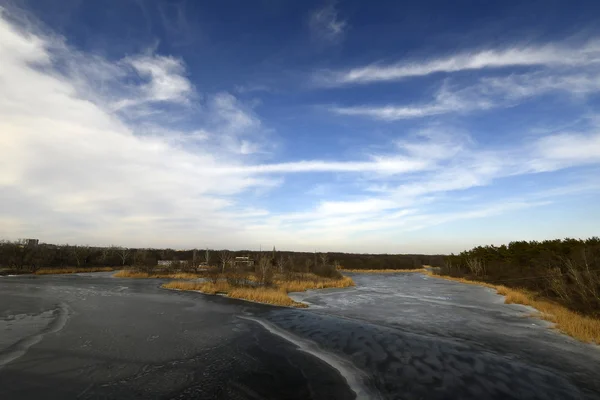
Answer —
(398, 337)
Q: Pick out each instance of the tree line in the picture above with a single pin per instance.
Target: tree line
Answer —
(20, 257)
(567, 270)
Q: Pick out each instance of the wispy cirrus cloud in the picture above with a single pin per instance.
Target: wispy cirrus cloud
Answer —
(486, 93)
(163, 80)
(457, 163)
(377, 164)
(549, 55)
(325, 24)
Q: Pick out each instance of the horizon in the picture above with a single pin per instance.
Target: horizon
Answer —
(328, 126)
(269, 250)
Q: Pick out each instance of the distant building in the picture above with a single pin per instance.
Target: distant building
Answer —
(168, 263)
(29, 242)
(244, 261)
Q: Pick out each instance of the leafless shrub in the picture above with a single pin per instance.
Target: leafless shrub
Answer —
(281, 263)
(558, 284)
(326, 269)
(324, 259)
(308, 263)
(236, 276)
(291, 263)
(263, 269)
(143, 262)
(475, 266)
(585, 281)
(80, 254)
(213, 273)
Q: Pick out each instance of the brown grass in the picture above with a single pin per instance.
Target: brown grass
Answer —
(127, 273)
(265, 295)
(49, 271)
(277, 295)
(300, 285)
(578, 326)
(382, 271)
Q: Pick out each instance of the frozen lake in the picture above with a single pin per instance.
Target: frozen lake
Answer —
(402, 336)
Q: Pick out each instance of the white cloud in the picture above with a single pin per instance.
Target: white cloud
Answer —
(427, 220)
(487, 93)
(567, 149)
(546, 55)
(73, 170)
(325, 24)
(164, 79)
(456, 163)
(251, 88)
(378, 164)
(391, 112)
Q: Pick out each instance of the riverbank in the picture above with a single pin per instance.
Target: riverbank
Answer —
(382, 271)
(580, 327)
(126, 273)
(58, 271)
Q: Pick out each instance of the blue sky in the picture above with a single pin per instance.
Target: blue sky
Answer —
(352, 126)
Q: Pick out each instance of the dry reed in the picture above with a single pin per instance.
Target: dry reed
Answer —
(277, 295)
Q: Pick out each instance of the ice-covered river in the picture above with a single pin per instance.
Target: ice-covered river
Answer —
(401, 336)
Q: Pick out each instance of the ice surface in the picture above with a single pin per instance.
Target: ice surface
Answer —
(429, 338)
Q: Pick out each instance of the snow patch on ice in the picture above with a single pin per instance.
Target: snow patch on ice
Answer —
(354, 377)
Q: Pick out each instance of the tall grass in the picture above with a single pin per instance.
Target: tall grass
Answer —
(276, 295)
(300, 285)
(265, 295)
(581, 327)
(50, 271)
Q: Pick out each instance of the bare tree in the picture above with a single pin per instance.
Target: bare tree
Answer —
(264, 270)
(19, 253)
(308, 263)
(586, 282)
(448, 267)
(207, 257)
(324, 259)
(142, 261)
(476, 266)
(558, 284)
(281, 263)
(194, 258)
(106, 253)
(123, 253)
(225, 257)
(80, 254)
(291, 263)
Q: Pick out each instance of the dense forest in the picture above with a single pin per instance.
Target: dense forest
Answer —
(24, 256)
(567, 271)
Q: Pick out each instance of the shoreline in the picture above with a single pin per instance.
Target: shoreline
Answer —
(579, 327)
